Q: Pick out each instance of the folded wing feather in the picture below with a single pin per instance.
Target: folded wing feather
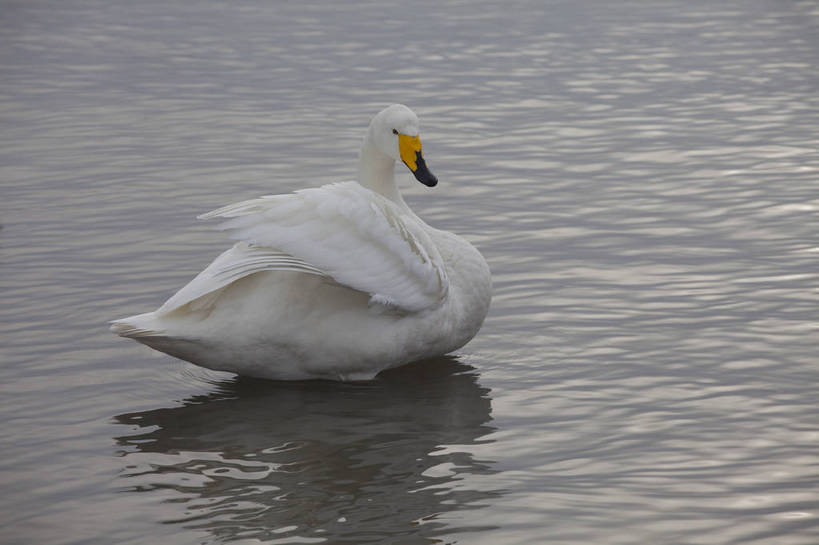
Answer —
(345, 231)
(241, 260)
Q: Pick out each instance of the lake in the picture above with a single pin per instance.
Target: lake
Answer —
(642, 177)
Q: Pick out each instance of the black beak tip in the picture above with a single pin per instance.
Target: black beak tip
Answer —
(426, 177)
(422, 173)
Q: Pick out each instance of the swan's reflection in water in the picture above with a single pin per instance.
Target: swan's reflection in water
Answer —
(346, 463)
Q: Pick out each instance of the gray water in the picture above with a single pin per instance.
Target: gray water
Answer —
(643, 178)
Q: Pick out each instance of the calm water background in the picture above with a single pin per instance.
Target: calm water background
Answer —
(643, 178)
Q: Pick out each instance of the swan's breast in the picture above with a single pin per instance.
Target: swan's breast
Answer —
(470, 285)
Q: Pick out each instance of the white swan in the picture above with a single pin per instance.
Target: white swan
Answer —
(337, 282)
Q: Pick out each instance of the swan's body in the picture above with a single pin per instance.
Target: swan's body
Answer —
(340, 281)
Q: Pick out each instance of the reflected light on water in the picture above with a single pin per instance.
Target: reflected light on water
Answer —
(641, 177)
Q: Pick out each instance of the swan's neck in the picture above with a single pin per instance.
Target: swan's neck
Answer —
(376, 172)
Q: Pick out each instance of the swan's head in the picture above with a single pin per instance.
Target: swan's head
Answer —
(394, 131)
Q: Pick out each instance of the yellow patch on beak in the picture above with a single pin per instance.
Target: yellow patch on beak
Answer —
(410, 148)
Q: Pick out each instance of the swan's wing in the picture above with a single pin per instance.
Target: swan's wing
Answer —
(241, 260)
(357, 237)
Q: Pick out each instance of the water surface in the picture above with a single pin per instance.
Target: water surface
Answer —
(642, 178)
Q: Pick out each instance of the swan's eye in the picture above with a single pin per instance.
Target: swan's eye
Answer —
(394, 131)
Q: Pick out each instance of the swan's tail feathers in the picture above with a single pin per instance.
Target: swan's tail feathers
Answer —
(137, 326)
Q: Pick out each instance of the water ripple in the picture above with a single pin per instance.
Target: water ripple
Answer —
(642, 178)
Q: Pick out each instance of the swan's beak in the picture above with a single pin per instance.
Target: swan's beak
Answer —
(410, 148)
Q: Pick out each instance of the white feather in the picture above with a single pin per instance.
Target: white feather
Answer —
(241, 260)
(350, 233)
